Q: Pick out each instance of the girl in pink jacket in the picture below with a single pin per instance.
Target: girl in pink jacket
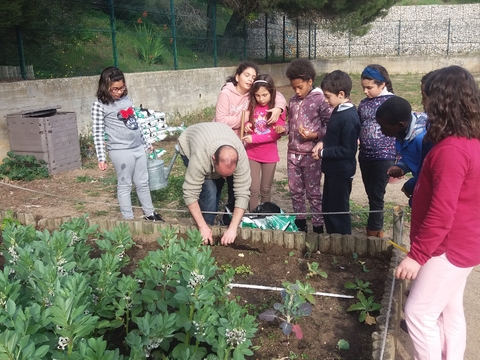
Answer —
(261, 141)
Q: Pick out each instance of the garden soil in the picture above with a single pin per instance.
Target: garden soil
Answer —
(90, 191)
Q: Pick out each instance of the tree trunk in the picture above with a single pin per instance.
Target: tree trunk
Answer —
(232, 24)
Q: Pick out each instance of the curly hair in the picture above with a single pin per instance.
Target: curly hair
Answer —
(240, 69)
(108, 76)
(301, 69)
(453, 106)
(383, 72)
(337, 81)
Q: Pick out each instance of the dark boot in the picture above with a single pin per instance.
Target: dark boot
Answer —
(318, 229)
(301, 224)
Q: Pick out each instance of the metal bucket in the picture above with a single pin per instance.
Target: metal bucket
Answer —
(156, 174)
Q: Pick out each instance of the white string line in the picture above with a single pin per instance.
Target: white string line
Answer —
(66, 198)
(389, 309)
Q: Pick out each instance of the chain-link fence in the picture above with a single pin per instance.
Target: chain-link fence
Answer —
(199, 33)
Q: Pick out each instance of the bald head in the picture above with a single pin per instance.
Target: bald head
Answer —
(225, 160)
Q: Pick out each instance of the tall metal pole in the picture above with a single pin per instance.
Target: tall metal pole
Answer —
(174, 34)
(309, 42)
(114, 33)
(214, 20)
(298, 55)
(21, 53)
(284, 36)
(266, 38)
(448, 38)
(399, 33)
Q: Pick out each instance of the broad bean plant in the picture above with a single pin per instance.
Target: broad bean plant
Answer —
(66, 295)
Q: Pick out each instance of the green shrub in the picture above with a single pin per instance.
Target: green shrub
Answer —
(23, 167)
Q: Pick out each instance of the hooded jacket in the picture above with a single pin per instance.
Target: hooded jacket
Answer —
(313, 113)
(231, 103)
(410, 147)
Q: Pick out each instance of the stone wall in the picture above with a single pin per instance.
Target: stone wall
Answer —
(406, 30)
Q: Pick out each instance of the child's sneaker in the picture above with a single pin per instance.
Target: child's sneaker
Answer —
(153, 217)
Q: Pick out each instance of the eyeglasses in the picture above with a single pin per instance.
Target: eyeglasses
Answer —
(116, 89)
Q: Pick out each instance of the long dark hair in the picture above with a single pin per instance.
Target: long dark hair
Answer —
(266, 81)
(383, 72)
(107, 77)
(240, 69)
(453, 105)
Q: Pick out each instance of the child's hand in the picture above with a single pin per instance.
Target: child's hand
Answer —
(275, 114)
(248, 127)
(279, 129)
(316, 150)
(307, 134)
(247, 139)
(102, 165)
(395, 171)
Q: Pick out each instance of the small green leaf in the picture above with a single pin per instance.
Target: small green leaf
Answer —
(343, 344)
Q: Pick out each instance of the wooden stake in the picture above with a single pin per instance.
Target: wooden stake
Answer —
(242, 125)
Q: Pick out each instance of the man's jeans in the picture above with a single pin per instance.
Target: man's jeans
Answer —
(209, 197)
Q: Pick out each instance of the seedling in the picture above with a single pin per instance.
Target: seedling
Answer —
(297, 299)
(365, 306)
(359, 285)
(361, 263)
(343, 344)
(243, 270)
(314, 270)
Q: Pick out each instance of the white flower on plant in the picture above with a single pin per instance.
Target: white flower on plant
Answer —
(195, 279)
(75, 239)
(236, 336)
(95, 299)
(152, 344)
(2, 303)
(62, 342)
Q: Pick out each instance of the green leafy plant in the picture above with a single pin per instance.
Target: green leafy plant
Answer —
(243, 270)
(359, 285)
(314, 270)
(148, 42)
(23, 167)
(297, 299)
(361, 263)
(343, 344)
(365, 306)
(61, 298)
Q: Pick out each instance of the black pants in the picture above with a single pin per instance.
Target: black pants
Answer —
(336, 198)
(375, 180)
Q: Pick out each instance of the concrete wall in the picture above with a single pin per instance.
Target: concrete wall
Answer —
(180, 92)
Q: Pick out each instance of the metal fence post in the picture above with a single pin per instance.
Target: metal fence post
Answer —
(398, 40)
(315, 41)
(284, 36)
(448, 37)
(244, 39)
(266, 38)
(298, 53)
(114, 34)
(21, 53)
(174, 34)
(309, 42)
(214, 21)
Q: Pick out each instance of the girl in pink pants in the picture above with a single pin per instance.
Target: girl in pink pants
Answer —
(445, 236)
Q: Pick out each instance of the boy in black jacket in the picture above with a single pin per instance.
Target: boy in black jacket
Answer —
(337, 151)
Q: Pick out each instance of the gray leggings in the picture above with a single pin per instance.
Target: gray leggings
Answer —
(131, 164)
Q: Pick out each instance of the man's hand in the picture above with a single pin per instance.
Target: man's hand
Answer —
(316, 150)
(395, 171)
(229, 236)
(206, 234)
(408, 269)
(102, 165)
(276, 112)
